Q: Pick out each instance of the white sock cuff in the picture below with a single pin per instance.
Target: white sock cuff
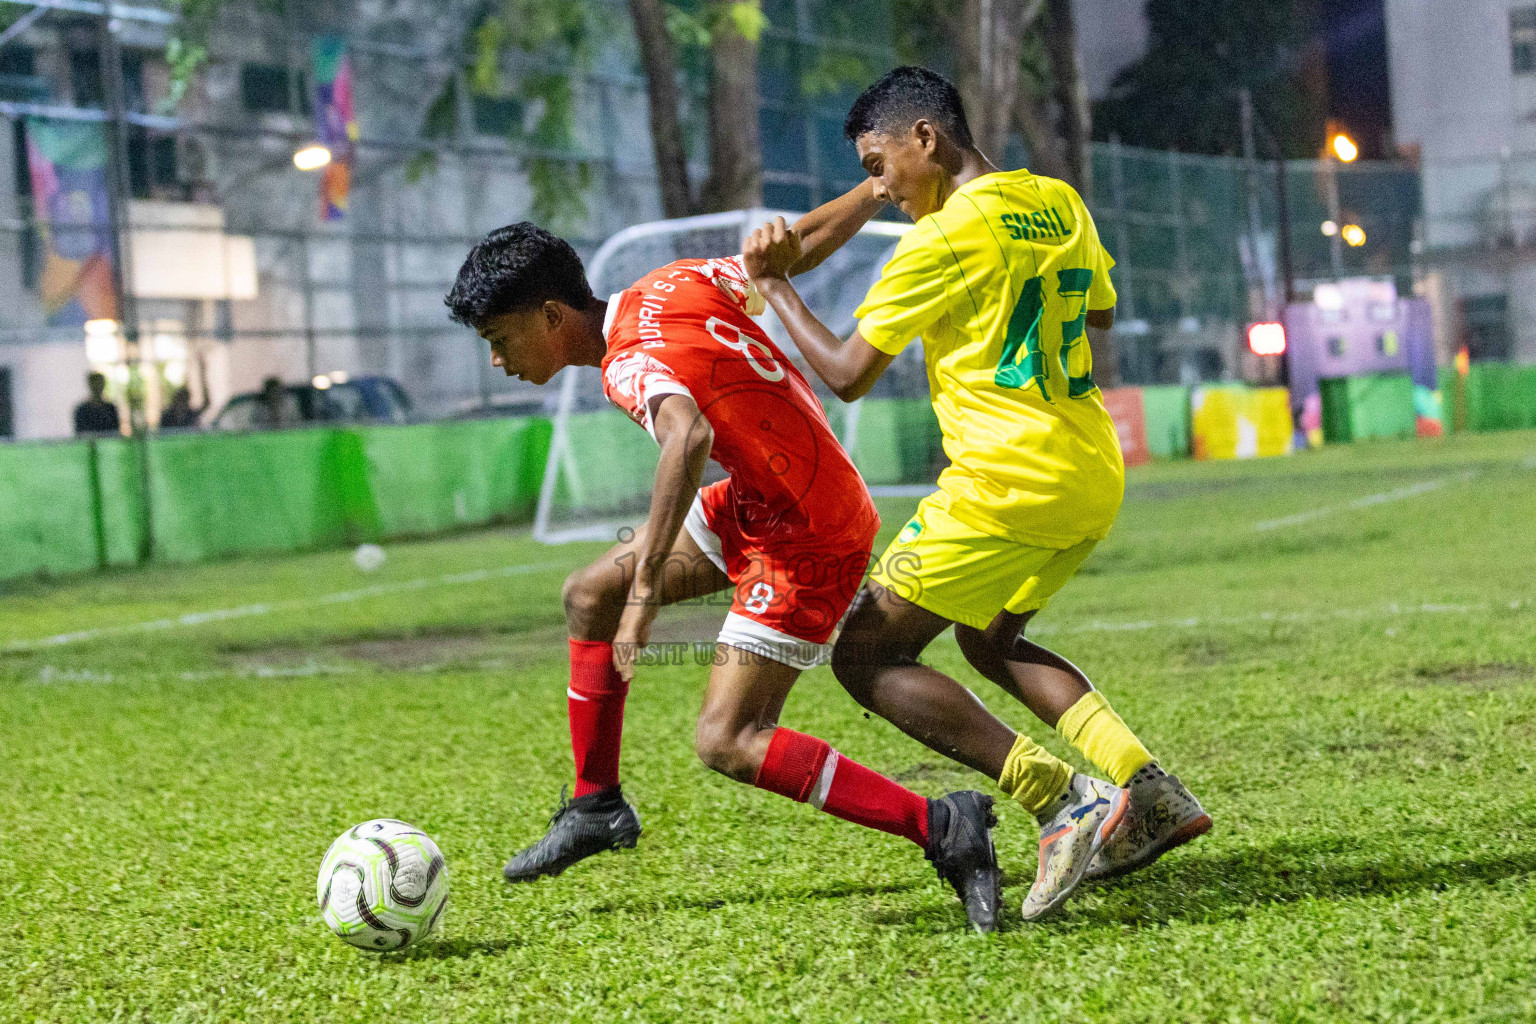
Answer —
(823, 784)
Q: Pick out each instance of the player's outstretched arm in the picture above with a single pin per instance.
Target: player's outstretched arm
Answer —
(850, 368)
(828, 227)
(685, 437)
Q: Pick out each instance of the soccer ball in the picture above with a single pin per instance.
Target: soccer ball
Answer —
(383, 885)
(368, 557)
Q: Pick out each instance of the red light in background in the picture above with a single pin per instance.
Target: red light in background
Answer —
(1267, 339)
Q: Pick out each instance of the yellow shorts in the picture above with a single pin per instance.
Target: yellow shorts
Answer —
(955, 570)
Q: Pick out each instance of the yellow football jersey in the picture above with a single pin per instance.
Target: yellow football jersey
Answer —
(998, 283)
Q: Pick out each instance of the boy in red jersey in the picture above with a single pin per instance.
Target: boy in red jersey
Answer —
(790, 530)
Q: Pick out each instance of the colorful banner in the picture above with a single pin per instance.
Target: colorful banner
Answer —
(1353, 328)
(1233, 421)
(1125, 406)
(335, 122)
(67, 161)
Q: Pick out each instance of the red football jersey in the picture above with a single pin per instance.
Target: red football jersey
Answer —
(685, 329)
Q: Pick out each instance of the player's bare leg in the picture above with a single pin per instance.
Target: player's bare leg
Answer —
(599, 818)
(876, 661)
(1162, 814)
(739, 735)
(594, 596)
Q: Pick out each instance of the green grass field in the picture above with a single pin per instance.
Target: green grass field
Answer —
(1337, 651)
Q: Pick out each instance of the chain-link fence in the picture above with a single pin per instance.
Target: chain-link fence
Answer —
(1201, 253)
(433, 169)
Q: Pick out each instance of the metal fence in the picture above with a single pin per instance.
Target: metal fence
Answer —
(1195, 236)
(1199, 248)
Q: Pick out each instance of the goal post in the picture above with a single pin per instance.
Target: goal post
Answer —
(598, 474)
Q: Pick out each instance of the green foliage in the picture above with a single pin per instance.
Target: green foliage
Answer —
(529, 35)
(184, 58)
(830, 71)
(509, 43)
(695, 24)
(1354, 699)
(922, 32)
(1183, 93)
(559, 185)
(747, 19)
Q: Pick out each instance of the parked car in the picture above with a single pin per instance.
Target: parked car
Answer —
(516, 404)
(359, 400)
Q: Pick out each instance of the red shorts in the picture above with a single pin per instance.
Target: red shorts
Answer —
(790, 595)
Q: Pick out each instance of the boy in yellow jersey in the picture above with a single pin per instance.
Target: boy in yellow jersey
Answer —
(1002, 277)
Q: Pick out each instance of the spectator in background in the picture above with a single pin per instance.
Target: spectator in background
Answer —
(96, 415)
(180, 415)
(274, 409)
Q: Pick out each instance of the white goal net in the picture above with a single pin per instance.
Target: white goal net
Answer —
(600, 469)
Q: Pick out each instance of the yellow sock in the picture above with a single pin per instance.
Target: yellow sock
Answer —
(1033, 775)
(1092, 726)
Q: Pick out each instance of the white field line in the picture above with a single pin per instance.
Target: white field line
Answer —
(1369, 501)
(1386, 611)
(276, 607)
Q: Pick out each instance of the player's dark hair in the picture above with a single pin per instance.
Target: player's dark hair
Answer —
(516, 267)
(904, 96)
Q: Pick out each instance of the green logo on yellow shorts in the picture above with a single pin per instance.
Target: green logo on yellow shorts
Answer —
(910, 532)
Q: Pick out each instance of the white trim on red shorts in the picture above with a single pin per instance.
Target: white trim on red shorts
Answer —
(697, 525)
(751, 635)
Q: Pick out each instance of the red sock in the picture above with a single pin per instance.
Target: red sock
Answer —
(596, 704)
(807, 769)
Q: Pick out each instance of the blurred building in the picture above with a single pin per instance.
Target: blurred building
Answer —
(1464, 105)
(361, 294)
(235, 276)
(1112, 35)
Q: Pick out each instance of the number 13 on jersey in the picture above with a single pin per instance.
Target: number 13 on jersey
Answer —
(1022, 361)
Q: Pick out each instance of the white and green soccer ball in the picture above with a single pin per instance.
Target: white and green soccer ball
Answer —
(383, 885)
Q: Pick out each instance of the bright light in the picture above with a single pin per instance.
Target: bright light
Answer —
(102, 345)
(321, 382)
(1345, 149)
(1328, 297)
(312, 158)
(1463, 361)
(1266, 339)
(1354, 234)
(1330, 228)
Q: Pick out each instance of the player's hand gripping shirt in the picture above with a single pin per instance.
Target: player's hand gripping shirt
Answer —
(998, 283)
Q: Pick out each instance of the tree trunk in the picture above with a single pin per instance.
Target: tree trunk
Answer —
(660, 63)
(988, 38)
(1032, 116)
(1071, 92)
(735, 151)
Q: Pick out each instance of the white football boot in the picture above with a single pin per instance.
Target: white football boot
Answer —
(1078, 826)
(1163, 814)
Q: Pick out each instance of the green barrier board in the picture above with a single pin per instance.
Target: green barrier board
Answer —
(1446, 378)
(47, 517)
(1167, 413)
(220, 495)
(122, 499)
(1500, 396)
(434, 477)
(611, 468)
(898, 441)
(80, 505)
(1368, 406)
